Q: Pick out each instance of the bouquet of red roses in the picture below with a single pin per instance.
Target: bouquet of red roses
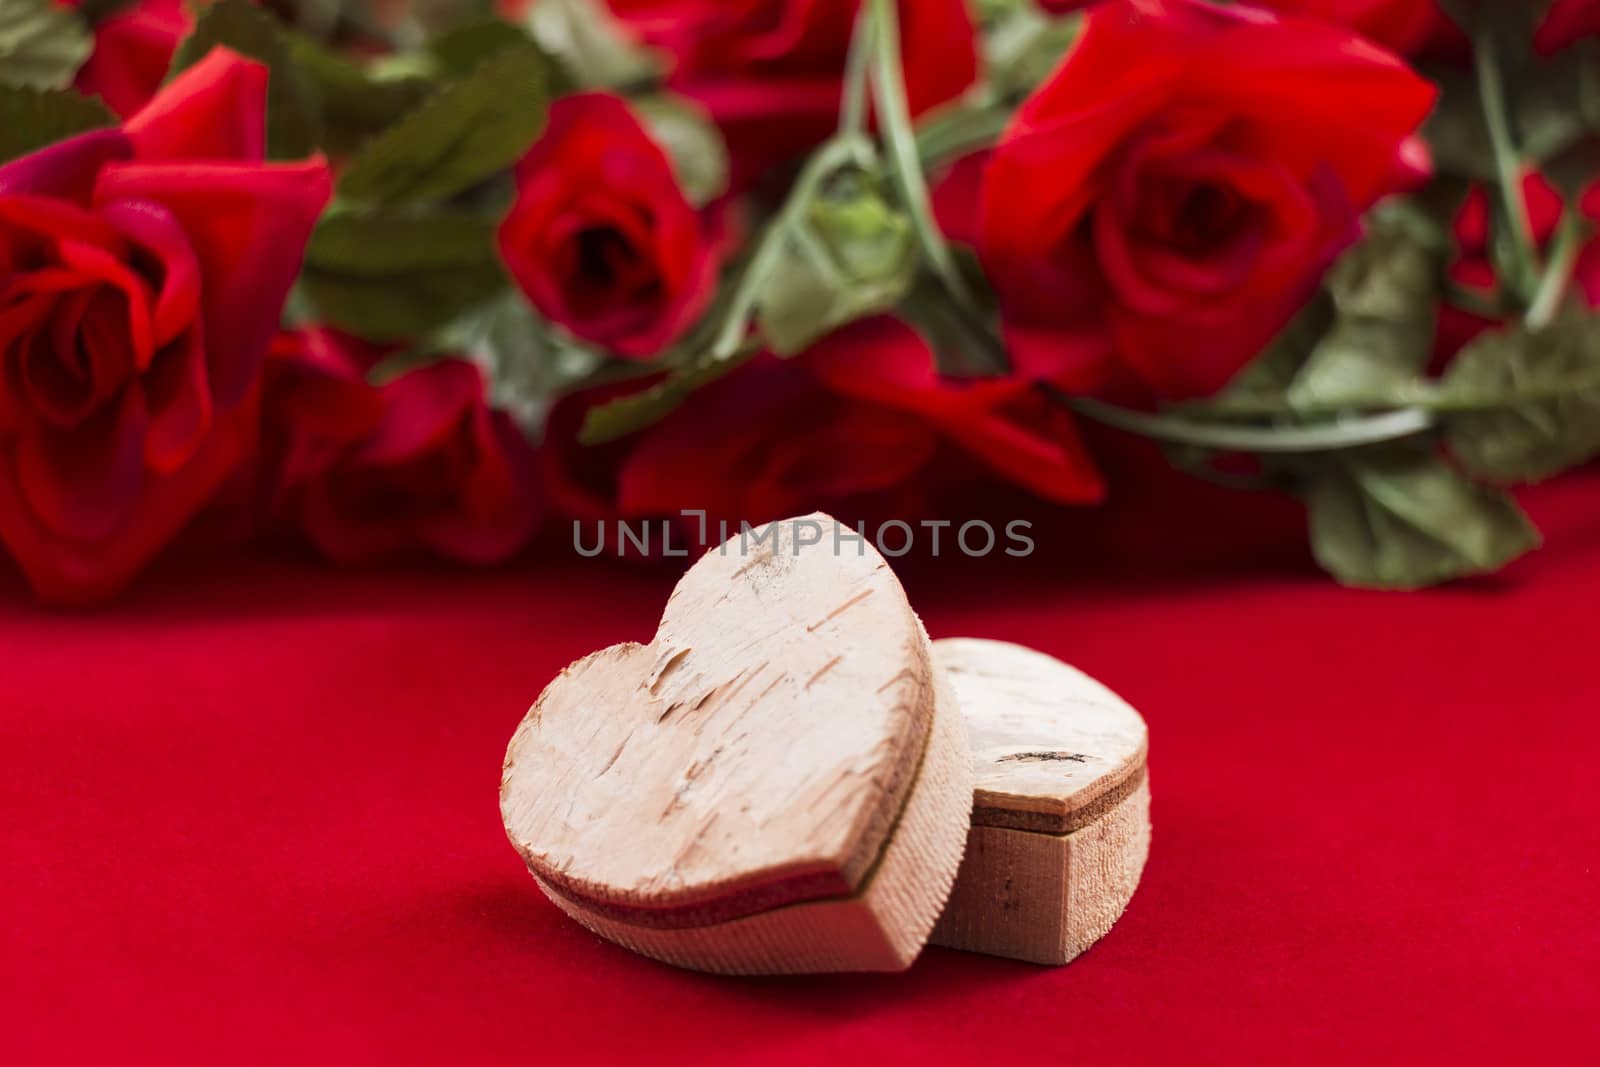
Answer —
(413, 277)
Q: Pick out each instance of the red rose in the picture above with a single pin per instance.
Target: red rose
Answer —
(373, 473)
(1164, 203)
(770, 71)
(1404, 26)
(579, 480)
(601, 239)
(856, 423)
(132, 50)
(1567, 22)
(142, 272)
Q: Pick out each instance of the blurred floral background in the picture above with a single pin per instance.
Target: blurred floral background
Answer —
(396, 279)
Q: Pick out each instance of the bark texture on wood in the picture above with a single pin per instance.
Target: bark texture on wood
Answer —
(774, 783)
(1061, 819)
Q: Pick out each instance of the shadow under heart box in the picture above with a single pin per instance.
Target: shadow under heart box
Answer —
(784, 780)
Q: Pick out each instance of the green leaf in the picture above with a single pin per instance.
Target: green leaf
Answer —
(356, 103)
(462, 48)
(591, 44)
(632, 413)
(1023, 47)
(427, 17)
(463, 134)
(526, 361)
(1551, 382)
(31, 119)
(1385, 298)
(964, 345)
(1267, 379)
(1400, 517)
(42, 44)
(388, 276)
(293, 120)
(853, 255)
(691, 141)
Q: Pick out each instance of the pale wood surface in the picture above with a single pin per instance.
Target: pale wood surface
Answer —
(1061, 820)
(1052, 748)
(762, 752)
(883, 927)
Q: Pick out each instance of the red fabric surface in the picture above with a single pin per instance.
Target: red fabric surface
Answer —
(249, 816)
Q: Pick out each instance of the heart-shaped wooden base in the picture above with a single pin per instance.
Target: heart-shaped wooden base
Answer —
(779, 782)
(1061, 817)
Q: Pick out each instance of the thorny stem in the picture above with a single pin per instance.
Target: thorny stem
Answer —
(844, 149)
(1508, 163)
(894, 113)
(1333, 436)
(858, 75)
(1571, 234)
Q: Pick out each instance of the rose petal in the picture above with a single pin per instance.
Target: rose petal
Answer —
(83, 361)
(65, 571)
(857, 450)
(50, 221)
(956, 195)
(248, 226)
(94, 264)
(153, 229)
(83, 482)
(18, 323)
(342, 538)
(215, 110)
(67, 169)
(499, 507)
(132, 51)
(1036, 445)
(884, 361)
(421, 408)
(178, 395)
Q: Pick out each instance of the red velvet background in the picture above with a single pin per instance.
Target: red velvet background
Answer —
(248, 815)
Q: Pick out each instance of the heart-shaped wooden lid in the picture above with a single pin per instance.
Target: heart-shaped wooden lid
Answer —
(1052, 748)
(760, 752)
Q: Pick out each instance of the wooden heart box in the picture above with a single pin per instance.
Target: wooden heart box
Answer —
(778, 782)
(1061, 818)
(783, 780)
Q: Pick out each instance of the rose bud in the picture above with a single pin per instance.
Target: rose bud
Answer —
(601, 238)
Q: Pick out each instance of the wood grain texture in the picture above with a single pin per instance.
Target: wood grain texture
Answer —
(1061, 816)
(735, 795)
(882, 927)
